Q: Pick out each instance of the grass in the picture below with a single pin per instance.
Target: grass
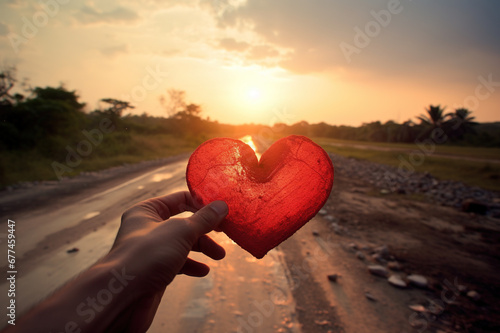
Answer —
(474, 173)
(18, 166)
(470, 152)
(118, 149)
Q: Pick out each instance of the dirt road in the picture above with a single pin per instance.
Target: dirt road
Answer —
(288, 290)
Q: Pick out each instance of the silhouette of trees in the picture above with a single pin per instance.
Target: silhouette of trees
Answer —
(185, 117)
(175, 103)
(114, 111)
(191, 112)
(456, 125)
(461, 123)
(435, 117)
(116, 106)
(7, 82)
(60, 94)
(50, 118)
(45, 121)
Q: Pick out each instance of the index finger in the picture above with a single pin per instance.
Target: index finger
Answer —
(172, 204)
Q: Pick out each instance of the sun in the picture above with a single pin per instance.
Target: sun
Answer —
(254, 94)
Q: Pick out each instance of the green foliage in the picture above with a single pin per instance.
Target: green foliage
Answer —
(50, 117)
(115, 110)
(42, 128)
(459, 128)
(60, 94)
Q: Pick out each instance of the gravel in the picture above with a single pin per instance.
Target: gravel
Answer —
(392, 180)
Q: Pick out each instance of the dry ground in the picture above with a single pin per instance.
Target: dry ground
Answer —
(458, 252)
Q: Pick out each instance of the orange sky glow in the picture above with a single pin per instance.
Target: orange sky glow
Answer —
(340, 62)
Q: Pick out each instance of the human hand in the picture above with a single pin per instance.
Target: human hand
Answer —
(154, 247)
(122, 291)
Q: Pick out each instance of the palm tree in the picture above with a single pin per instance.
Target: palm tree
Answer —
(435, 117)
(461, 123)
(463, 115)
(434, 120)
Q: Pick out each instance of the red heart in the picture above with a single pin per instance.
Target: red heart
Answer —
(269, 200)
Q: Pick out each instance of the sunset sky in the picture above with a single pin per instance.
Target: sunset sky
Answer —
(341, 62)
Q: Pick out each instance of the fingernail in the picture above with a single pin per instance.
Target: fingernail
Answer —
(220, 207)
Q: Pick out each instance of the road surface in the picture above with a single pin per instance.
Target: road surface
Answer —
(239, 288)
(286, 291)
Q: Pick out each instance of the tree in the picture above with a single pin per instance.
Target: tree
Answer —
(186, 117)
(114, 111)
(435, 117)
(7, 82)
(176, 102)
(117, 107)
(461, 123)
(374, 131)
(191, 112)
(59, 94)
(406, 132)
(47, 121)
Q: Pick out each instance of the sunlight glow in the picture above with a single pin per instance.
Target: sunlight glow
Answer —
(248, 140)
(254, 94)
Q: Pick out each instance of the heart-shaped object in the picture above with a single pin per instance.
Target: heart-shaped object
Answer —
(268, 200)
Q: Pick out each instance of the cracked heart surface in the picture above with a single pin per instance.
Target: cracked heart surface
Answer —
(268, 199)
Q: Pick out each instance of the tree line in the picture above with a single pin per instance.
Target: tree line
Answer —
(458, 127)
(48, 119)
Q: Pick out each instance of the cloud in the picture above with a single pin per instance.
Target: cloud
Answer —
(231, 44)
(218, 7)
(263, 52)
(90, 15)
(452, 36)
(12, 3)
(4, 29)
(112, 51)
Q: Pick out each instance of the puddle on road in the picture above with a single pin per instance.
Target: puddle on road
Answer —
(162, 176)
(91, 215)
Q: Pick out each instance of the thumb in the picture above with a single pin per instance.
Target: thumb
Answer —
(209, 217)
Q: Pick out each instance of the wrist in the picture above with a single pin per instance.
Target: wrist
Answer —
(86, 304)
